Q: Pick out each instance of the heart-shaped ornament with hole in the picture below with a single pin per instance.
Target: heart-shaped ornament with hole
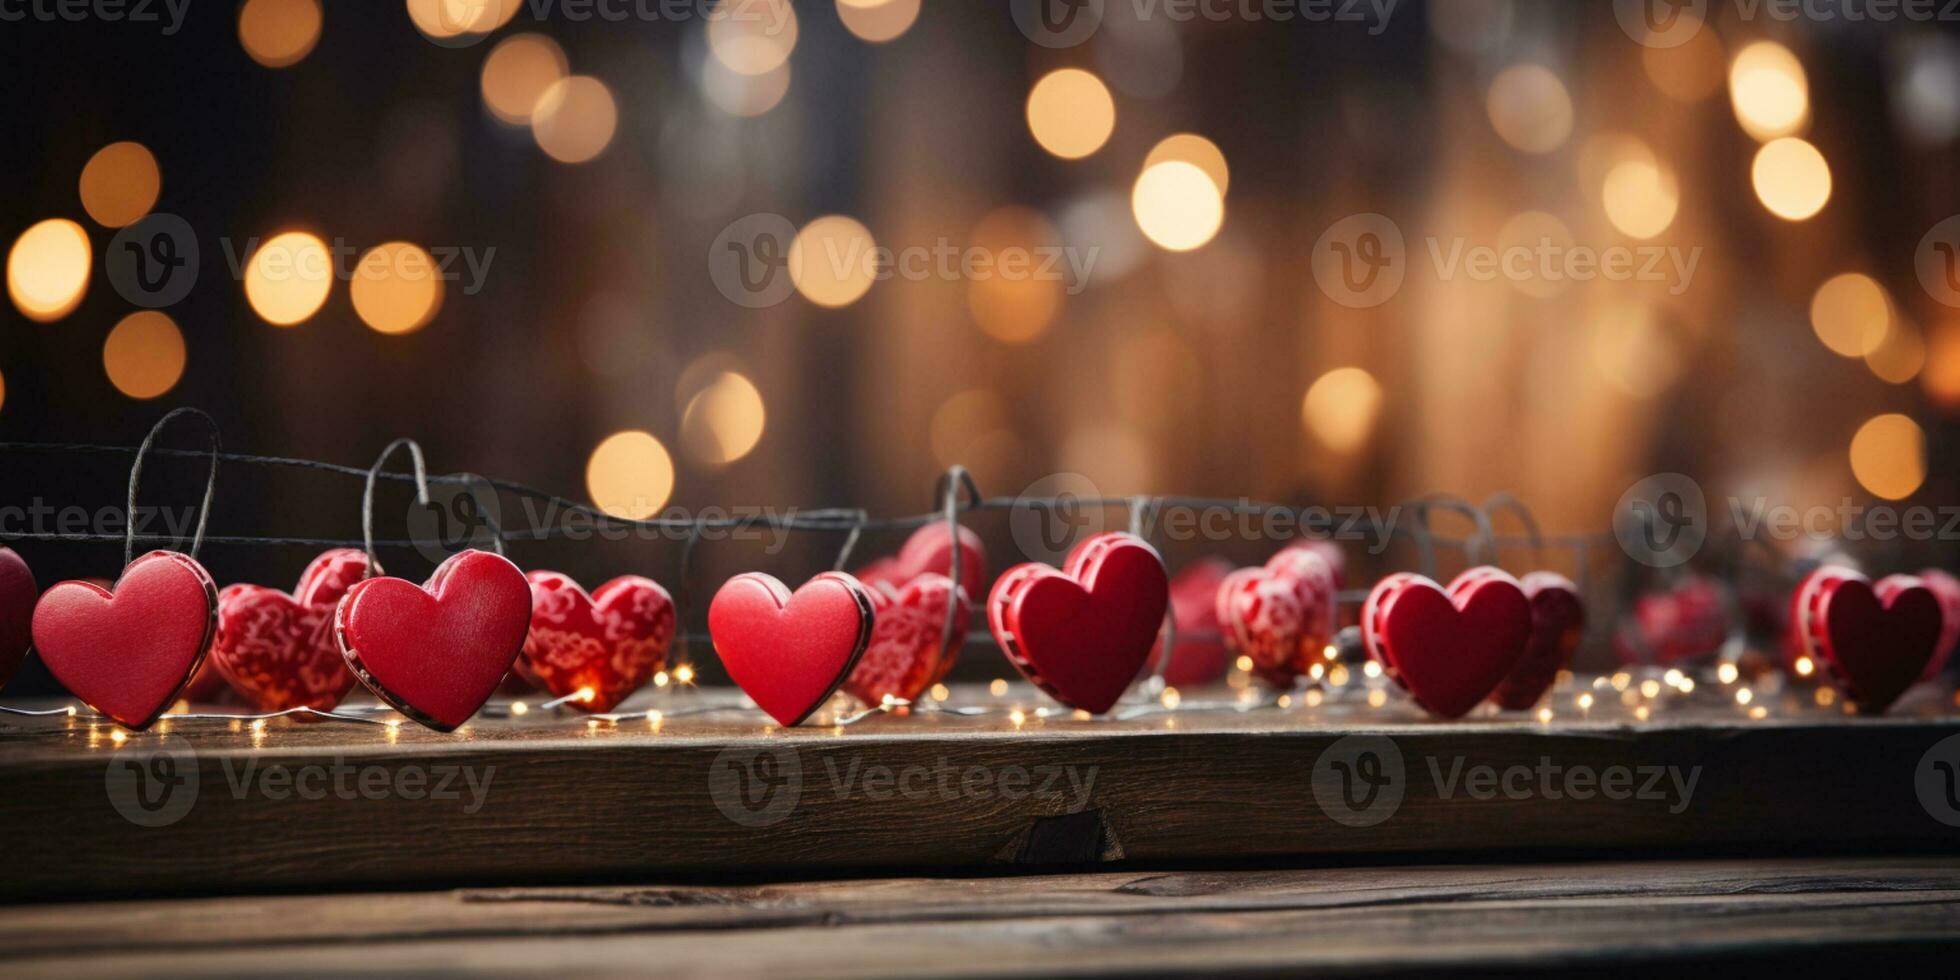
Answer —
(278, 650)
(909, 651)
(1875, 639)
(129, 650)
(1450, 649)
(1558, 623)
(17, 595)
(1084, 632)
(787, 651)
(436, 652)
(610, 642)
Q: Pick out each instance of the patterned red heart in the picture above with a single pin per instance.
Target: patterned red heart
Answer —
(1449, 649)
(1280, 615)
(906, 654)
(930, 551)
(789, 652)
(1796, 635)
(1198, 657)
(1558, 623)
(278, 650)
(611, 642)
(128, 651)
(1946, 589)
(1083, 633)
(436, 652)
(17, 595)
(1875, 639)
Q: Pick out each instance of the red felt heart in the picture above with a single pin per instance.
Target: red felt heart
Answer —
(610, 642)
(1876, 640)
(1280, 615)
(17, 595)
(436, 652)
(1558, 623)
(1198, 657)
(278, 650)
(930, 551)
(906, 654)
(128, 651)
(1082, 633)
(1946, 589)
(789, 652)
(1450, 650)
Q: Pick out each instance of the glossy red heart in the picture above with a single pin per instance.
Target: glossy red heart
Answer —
(1449, 649)
(127, 652)
(1280, 615)
(1558, 623)
(1198, 657)
(1876, 640)
(278, 650)
(930, 551)
(1084, 632)
(612, 641)
(436, 652)
(17, 595)
(1946, 589)
(906, 654)
(789, 652)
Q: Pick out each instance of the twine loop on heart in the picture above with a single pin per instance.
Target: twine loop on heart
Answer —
(367, 496)
(136, 476)
(948, 490)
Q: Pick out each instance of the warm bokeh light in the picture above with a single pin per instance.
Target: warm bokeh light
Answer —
(1888, 456)
(287, 280)
(1851, 313)
(144, 354)
(517, 73)
(1633, 353)
(1530, 108)
(743, 95)
(444, 19)
(1177, 206)
(48, 269)
(1527, 232)
(630, 475)
(1340, 408)
(120, 183)
(752, 37)
(1070, 113)
(1941, 377)
(1769, 91)
(966, 425)
(1197, 151)
(878, 21)
(396, 288)
(278, 33)
(724, 420)
(1640, 197)
(1792, 179)
(3, 391)
(1900, 357)
(1689, 71)
(833, 261)
(574, 119)
(1014, 306)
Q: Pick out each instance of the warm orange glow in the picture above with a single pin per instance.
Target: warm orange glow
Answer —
(752, 37)
(878, 21)
(743, 95)
(1340, 408)
(518, 72)
(120, 184)
(574, 119)
(1640, 197)
(396, 288)
(445, 19)
(1792, 179)
(1769, 90)
(1888, 456)
(963, 421)
(1941, 377)
(1633, 353)
(630, 475)
(1177, 206)
(1070, 113)
(278, 33)
(144, 355)
(48, 269)
(3, 391)
(1690, 71)
(724, 420)
(1530, 108)
(1020, 307)
(1851, 314)
(287, 280)
(832, 261)
(1197, 151)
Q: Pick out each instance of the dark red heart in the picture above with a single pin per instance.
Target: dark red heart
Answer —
(1558, 623)
(436, 652)
(1198, 657)
(1082, 633)
(1687, 622)
(17, 595)
(1450, 650)
(1946, 589)
(1280, 615)
(906, 654)
(611, 642)
(1876, 640)
(128, 651)
(1796, 635)
(930, 551)
(789, 652)
(278, 650)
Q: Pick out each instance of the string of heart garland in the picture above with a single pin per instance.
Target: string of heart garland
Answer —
(1082, 633)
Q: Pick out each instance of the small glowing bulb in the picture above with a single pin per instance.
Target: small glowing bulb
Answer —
(1826, 695)
(1687, 685)
(393, 723)
(1316, 672)
(1599, 683)
(1641, 712)
(1804, 667)
(940, 693)
(1377, 698)
(1372, 669)
(519, 707)
(684, 674)
(1759, 712)
(117, 736)
(1672, 677)
(654, 716)
(1017, 716)
(998, 688)
(1338, 676)
(1330, 653)
(1586, 701)
(1286, 700)
(71, 711)
(1544, 716)
(1650, 688)
(585, 695)
(1621, 680)
(660, 679)
(1744, 696)
(592, 723)
(1171, 698)
(1081, 715)
(182, 707)
(1314, 697)
(1245, 663)
(258, 725)
(1727, 673)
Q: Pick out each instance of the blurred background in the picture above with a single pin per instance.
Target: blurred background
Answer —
(1781, 325)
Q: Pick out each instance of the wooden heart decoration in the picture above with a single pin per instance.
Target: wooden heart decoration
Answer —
(790, 652)
(1084, 632)
(906, 655)
(1876, 640)
(436, 652)
(128, 651)
(930, 551)
(1946, 589)
(1558, 623)
(278, 650)
(17, 595)
(612, 641)
(1280, 615)
(1449, 649)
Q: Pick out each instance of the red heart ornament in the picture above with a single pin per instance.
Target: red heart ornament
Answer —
(1796, 634)
(436, 652)
(278, 650)
(1280, 615)
(1198, 657)
(1876, 640)
(17, 595)
(1449, 649)
(906, 655)
(789, 652)
(611, 642)
(1946, 589)
(1558, 623)
(1084, 632)
(128, 651)
(930, 551)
